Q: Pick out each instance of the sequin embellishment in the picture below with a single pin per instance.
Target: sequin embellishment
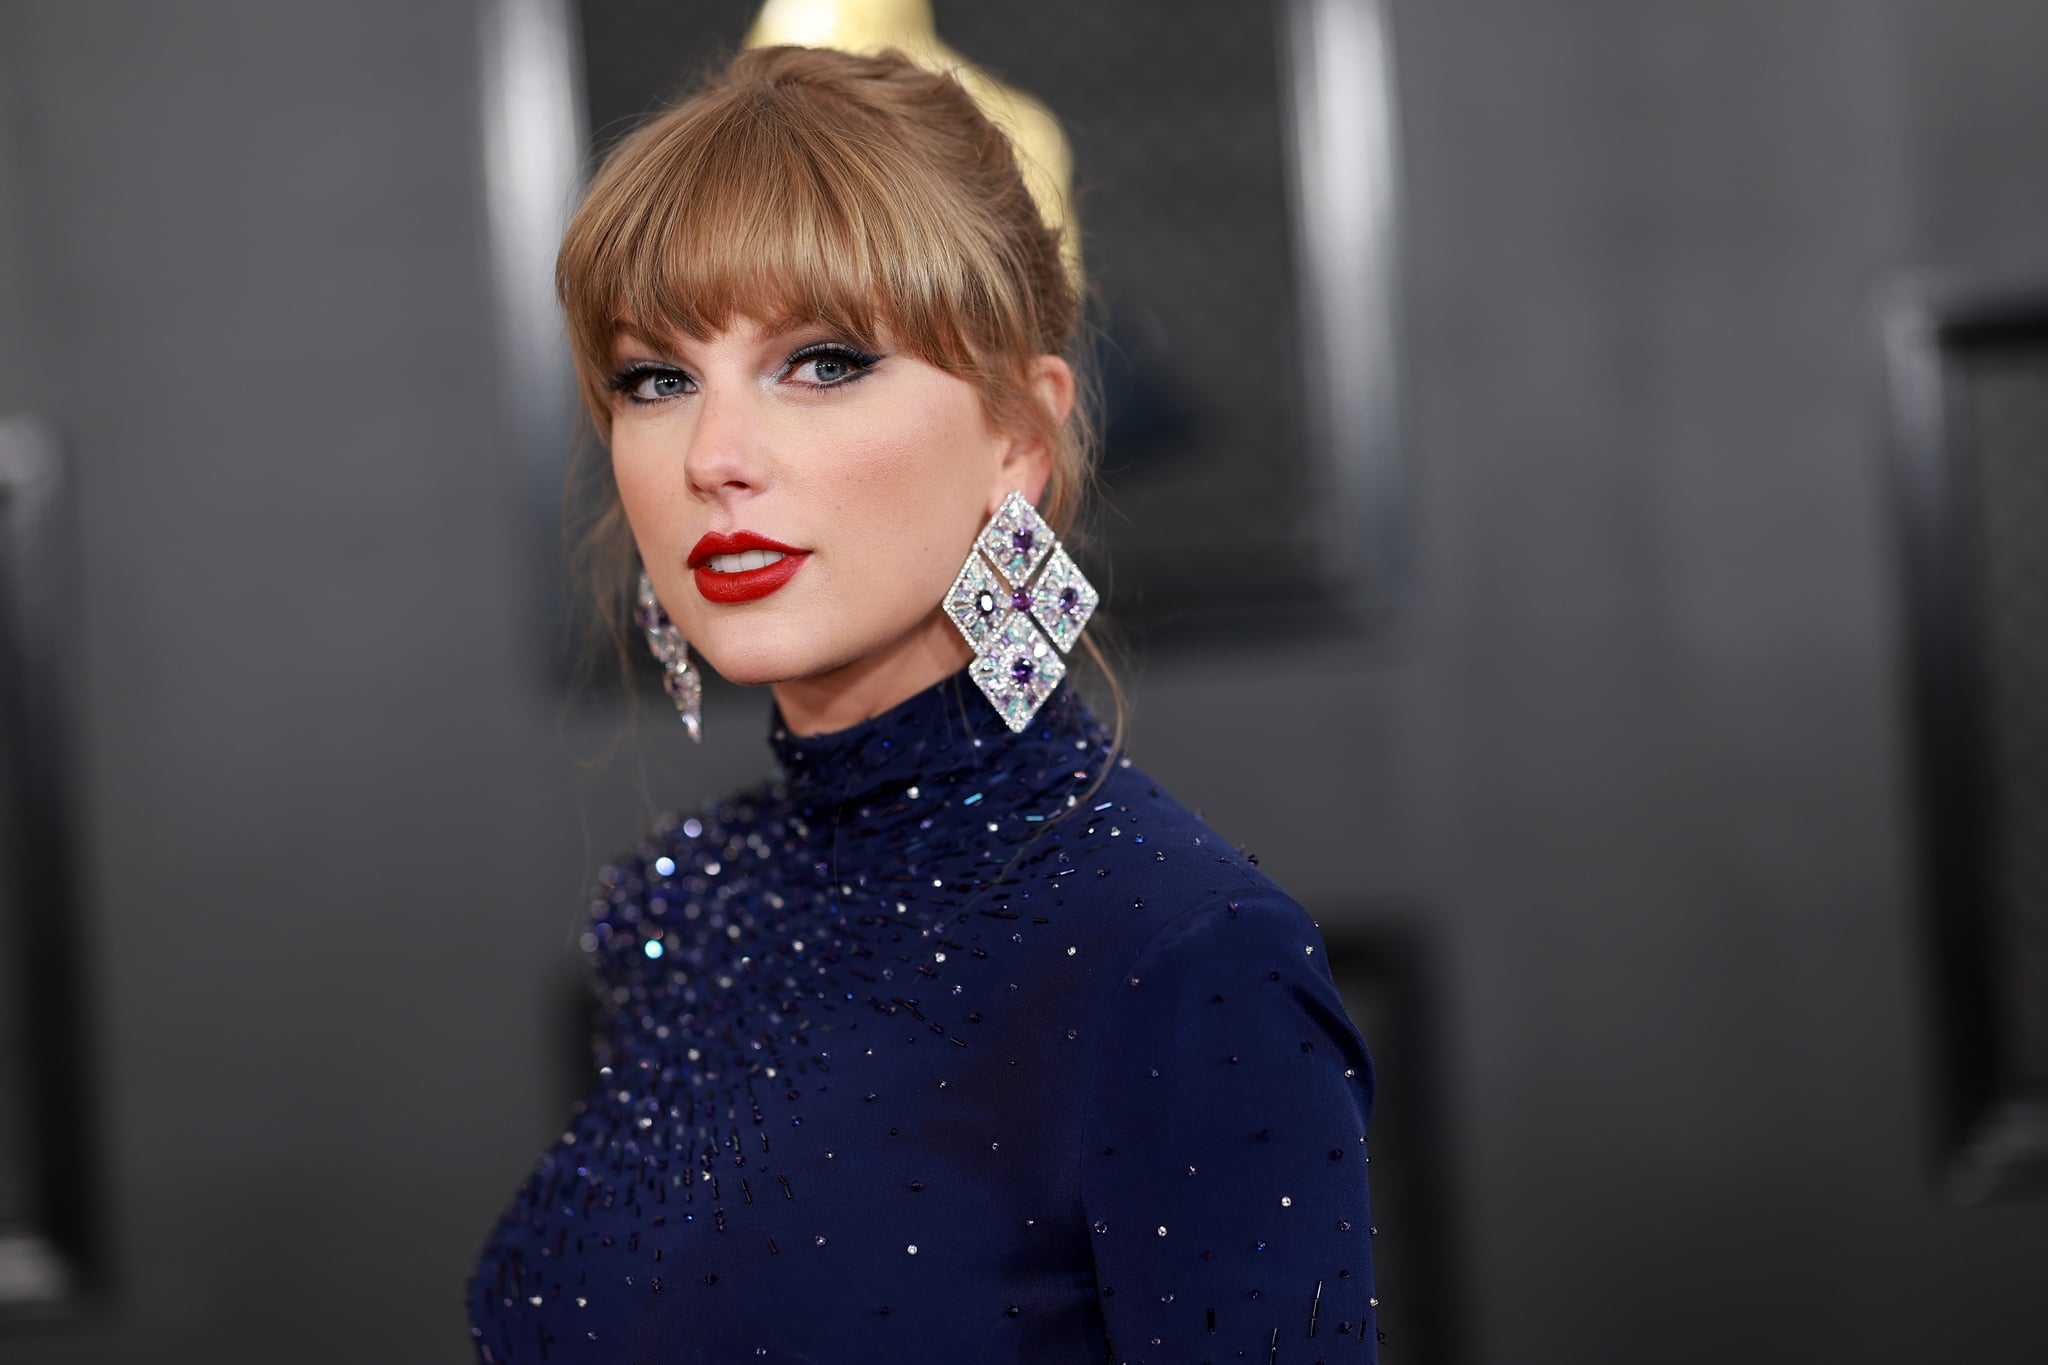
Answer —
(830, 1013)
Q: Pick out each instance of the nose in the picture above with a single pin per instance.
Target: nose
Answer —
(725, 455)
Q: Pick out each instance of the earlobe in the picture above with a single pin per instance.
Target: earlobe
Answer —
(1027, 469)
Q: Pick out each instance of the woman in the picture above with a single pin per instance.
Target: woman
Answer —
(960, 1041)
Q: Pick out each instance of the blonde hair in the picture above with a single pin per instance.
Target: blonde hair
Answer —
(863, 193)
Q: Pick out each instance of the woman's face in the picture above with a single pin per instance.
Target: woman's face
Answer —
(802, 506)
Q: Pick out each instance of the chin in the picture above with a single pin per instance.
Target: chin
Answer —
(759, 663)
(745, 670)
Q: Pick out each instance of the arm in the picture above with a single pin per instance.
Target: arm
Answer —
(1223, 1160)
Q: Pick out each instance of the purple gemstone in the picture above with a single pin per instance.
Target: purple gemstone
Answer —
(1022, 670)
(1021, 599)
(985, 602)
(1023, 540)
(1070, 599)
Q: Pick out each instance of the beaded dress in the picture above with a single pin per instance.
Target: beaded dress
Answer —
(949, 1045)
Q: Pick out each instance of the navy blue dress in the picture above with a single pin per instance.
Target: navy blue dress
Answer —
(951, 1045)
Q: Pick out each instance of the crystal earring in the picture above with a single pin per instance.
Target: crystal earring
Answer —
(1018, 628)
(685, 686)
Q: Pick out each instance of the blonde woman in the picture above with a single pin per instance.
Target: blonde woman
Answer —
(959, 1041)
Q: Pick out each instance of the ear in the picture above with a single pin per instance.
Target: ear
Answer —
(1027, 461)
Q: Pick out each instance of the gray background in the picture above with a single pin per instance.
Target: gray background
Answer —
(1637, 753)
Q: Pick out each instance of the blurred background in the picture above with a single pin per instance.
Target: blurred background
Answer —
(1552, 449)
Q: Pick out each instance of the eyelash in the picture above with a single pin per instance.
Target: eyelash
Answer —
(859, 362)
(630, 378)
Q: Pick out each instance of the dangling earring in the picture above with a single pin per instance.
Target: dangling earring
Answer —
(1007, 618)
(685, 687)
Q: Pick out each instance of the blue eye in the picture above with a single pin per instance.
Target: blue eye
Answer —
(829, 365)
(828, 369)
(650, 383)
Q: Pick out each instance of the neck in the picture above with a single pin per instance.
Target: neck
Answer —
(868, 686)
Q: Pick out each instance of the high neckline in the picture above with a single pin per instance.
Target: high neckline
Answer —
(948, 731)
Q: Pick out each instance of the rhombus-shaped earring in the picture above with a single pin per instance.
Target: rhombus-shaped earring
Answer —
(1019, 626)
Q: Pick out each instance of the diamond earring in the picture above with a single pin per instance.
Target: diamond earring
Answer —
(1012, 623)
(685, 686)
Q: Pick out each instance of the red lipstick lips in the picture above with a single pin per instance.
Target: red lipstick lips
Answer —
(746, 585)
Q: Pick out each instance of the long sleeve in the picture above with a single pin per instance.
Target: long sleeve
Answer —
(1223, 1159)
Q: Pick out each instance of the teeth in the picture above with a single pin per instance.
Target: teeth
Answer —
(741, 562)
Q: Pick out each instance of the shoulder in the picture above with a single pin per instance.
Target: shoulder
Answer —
(1197, 902)
(674, 863)
(1176, 878)
(681, 841)
(1179, 925)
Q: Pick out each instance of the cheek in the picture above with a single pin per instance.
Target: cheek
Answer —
(646, 482)
(923, 478)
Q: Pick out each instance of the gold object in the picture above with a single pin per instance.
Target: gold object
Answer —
(869, 26)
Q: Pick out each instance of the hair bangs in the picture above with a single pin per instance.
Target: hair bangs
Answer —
(768, 207)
